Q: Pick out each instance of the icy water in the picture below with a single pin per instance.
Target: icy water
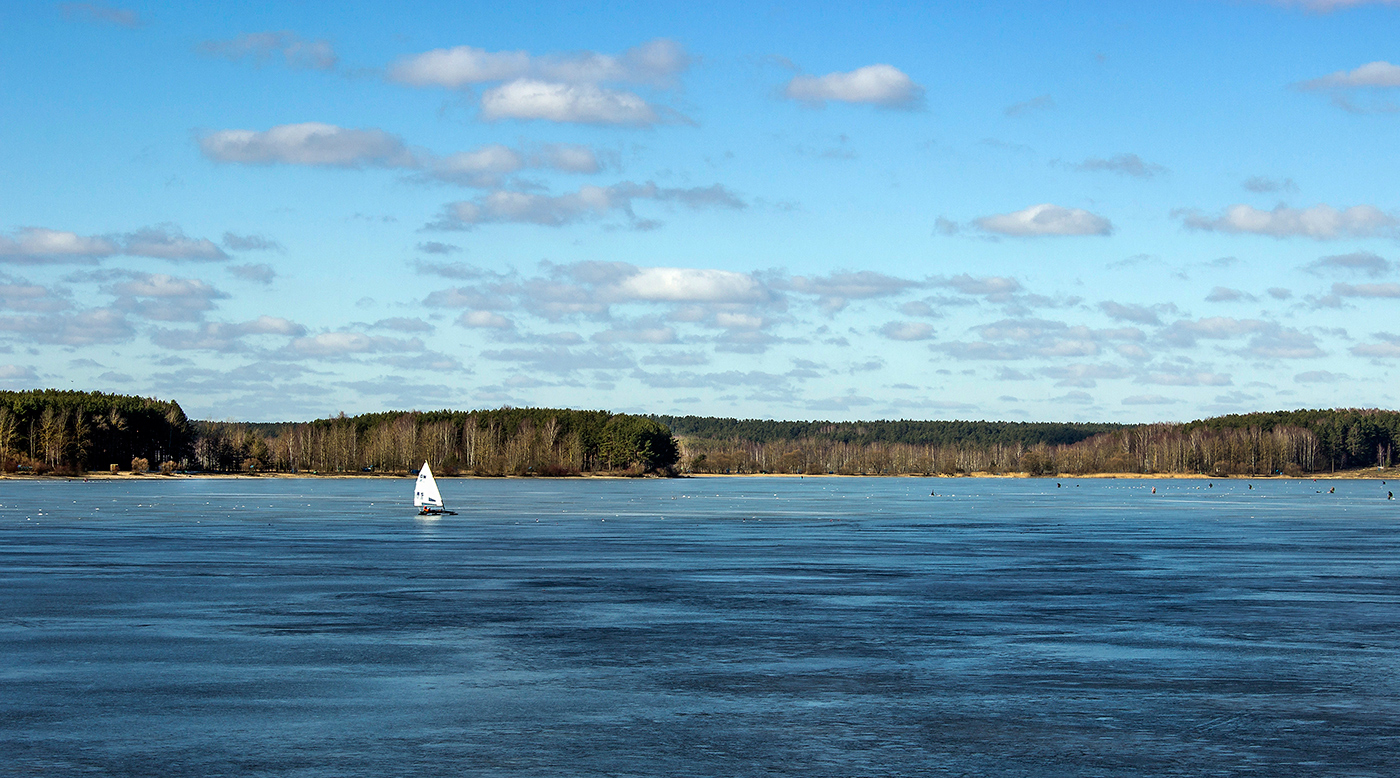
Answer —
(700, 627)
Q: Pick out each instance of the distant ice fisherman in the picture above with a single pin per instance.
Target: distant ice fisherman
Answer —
(426, 496)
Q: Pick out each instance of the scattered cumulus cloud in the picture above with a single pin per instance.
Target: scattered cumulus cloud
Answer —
(259, 273)
(1224, 294)
(161, 297)
(100, 13)
(1387, 348)
(1366, 290)
(40, 245)
(343, 344)
(1364, 262)
(90, 327)
(554, 87)
(308, 143)
(1366, 89)
(234, 242)
(484, 320)
(1378, 74)
(1045, 219)
(1137, 314)
(1320, 222)
(262, 46)
(996, 288)
(835, 290)
(315, 144)
(588, 203)
(225, 337)
(529, 99)
(907, 330)
(434, 247)
(655, 63)
(1321, 377)
(1149, 399)
(17, 374)
(1122, 164)
(1265, 185)
(881, 85)
(1033, 105)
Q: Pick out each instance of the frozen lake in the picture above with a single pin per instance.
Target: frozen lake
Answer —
(700, 627)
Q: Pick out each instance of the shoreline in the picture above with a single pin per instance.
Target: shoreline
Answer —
(1390, 473)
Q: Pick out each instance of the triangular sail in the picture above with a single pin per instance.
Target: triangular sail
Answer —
(426, 493)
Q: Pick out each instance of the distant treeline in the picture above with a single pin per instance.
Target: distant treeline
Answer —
(69, 431)
(1283, 442)
(508, 441)
(864, 433)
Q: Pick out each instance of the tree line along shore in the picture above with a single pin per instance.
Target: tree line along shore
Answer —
(72, 432)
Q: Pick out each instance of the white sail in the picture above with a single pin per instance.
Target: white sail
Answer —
(426, 491)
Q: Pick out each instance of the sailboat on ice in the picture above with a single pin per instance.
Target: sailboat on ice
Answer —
(426, 496)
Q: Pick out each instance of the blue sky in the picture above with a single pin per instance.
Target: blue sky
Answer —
(1051, 211)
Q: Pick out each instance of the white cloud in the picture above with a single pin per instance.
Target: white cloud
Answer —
(338, 344)
(1282, 343)
(1366, 290)
(1045, 220)
(1388, 348)
(308, 143)
(882, 85)
(1373, 74)
(568, 157)
(483, 166)
(259, 46)
(1321, 377)
(258, 273)
(656, 62)
(17, 373)
(1011, 339)
(1320, 222)
(100, 13)
(1138, 314)
(907, 330)
(1264, 185)
(484, 319)
(325, 145)
(835, 290)
(589, 202)
(1357, 262)
(1084, 375)
(1149, 399)
(1224, 294)
(36, 245)
(1185, 332)
(1122, 164)
(1183, 375)
(995, 287)
(17, 294)
(554, 87)
(486, 166)
(460, 66)
(168, 242)
(223, 336)
(250, 243)
(566, 103)
(39, 243)
(84, 328)
(679, 284)
(162, 297)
